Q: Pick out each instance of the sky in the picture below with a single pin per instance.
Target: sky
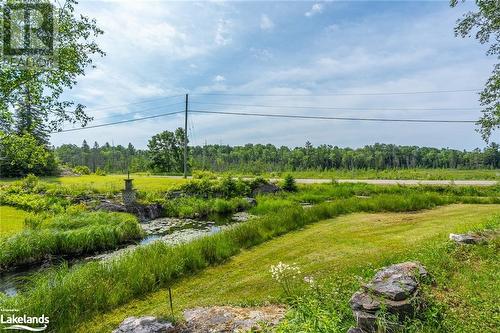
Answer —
(342, 55)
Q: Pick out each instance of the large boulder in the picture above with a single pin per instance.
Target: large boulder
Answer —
(394, 289)
(145, 325)
(265, 188)
(466, 238)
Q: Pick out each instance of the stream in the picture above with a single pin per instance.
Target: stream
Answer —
(171, 231)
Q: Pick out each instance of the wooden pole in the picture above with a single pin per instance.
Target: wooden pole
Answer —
(185, 136)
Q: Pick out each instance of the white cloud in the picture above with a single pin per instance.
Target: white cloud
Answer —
(261, 54)
(222, 34)
(219, 78)
(317, 8)
(266, 23)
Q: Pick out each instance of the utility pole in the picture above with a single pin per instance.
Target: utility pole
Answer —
(186, 136)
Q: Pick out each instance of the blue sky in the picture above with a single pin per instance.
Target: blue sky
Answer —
(308, 49)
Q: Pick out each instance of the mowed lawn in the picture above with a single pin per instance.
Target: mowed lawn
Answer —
(113, 183)
(11, 220)
(343, 246)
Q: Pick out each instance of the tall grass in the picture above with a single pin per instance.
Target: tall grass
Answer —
(68, 296)
(71, 234)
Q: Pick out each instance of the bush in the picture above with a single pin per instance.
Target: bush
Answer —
(100, 172)
(82, 170)
(202, 174)
(289, 184)
(23, 154)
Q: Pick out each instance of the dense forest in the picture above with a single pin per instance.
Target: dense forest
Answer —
(266, 158)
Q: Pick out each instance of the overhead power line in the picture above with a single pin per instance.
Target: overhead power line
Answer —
(140, 111)
(332, 118)
(341, 93)
(134, 103)
(117, 122)
(336, 108)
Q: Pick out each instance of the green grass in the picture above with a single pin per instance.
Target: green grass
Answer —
(109, 183)
(343, 248)
(419, 174)
(69, 234)
(11, 220)
(67, 296)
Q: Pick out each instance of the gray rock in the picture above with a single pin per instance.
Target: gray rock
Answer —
(355, 330)
(145, 212)
(465, 238)
(242, 216)
(265, 188)
(144, 325)
(251, 201)
(110, 207)
(393, 288)
(231, 319)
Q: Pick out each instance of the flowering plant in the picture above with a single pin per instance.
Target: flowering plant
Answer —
(286, 274)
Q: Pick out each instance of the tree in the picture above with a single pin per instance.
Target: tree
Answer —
(22, 154)
(31, 94)
(289, 184)
(485, 22)
(166, 151)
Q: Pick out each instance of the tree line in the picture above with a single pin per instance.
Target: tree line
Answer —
(164, 154)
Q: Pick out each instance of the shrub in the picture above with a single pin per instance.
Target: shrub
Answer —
(100, 172)
(289, 184)
(82, 170)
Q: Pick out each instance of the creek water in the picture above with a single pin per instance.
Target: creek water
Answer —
(168, 230)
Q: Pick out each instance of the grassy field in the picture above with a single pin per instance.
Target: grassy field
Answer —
(11, 220)
(343, 247)
(111, 183)
(418, 174)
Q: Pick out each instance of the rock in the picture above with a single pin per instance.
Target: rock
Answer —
(265, 188)
(242, 216)
(393, 288)
(355, 330)
(110, 206)
(465, 238)
(145, 212)
(251, 201)
(231, 319)
(144, 325)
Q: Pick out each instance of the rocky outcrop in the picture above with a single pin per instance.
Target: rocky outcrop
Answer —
(265, 188)
(394, 289)
(466, 238)
(216, 319)
(143, 212)
(231, 319)
(145, 325)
